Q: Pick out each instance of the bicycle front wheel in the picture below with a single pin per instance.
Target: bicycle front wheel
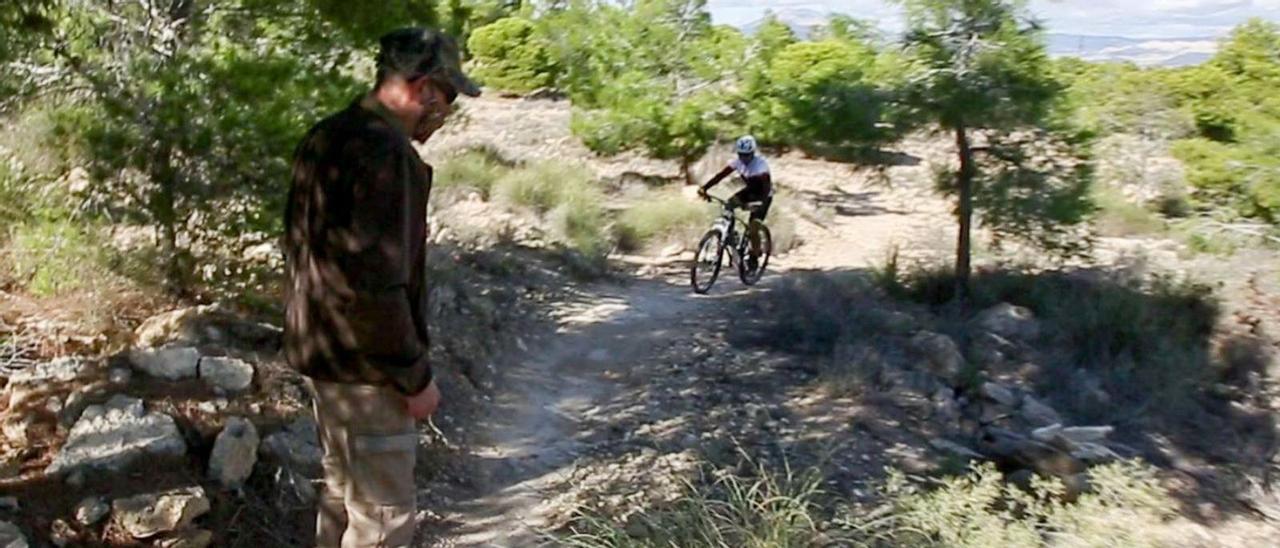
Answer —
(706, 261)
(751, 276)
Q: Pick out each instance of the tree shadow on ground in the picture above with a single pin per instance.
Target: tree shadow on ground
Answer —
(867, 156)
(850, 204)
(1143, 357)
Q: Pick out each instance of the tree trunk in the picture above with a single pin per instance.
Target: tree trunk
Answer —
(964, 213)
(163, 206)
(686, 169)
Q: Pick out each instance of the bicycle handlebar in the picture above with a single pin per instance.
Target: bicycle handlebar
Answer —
(717, 199)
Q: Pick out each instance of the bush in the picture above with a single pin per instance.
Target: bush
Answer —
(509, 54)
(475, 168)
(541, 186)
(782, 226)
(821, 93)
(56, 257)
(1118, 216)
(772, 510)
(1125, 508)
(658, 217)
(580, 222)
(1146, 338)
(566, 195)
(14, 199)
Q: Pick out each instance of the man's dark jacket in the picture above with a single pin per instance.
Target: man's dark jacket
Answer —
(355, 235)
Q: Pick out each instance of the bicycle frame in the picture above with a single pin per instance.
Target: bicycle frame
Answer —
(725, 235)
(727, 224)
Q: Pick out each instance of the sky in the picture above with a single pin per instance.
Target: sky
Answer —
(1134, 19)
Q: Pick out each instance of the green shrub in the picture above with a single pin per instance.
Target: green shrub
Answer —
(1125, 507)
(566, 195)
(14, 199)
(509, 54)
(542, 186)
(56, 257)
(657, 217)
(581, 223)
(782, 226)
(1117, 216)
(475, 168)
(1146, 338)
(772, 510)
(821, 93)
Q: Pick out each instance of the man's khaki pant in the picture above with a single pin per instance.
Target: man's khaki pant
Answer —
(369, 442)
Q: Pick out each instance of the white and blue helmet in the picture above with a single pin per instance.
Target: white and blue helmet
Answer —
(745, 145)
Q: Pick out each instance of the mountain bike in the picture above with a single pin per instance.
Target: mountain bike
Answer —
(723, 237)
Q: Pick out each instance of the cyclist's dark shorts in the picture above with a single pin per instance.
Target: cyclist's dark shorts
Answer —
(748, 195)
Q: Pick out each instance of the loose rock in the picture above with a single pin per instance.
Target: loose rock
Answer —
(61, 534)
(1094, 453)
(75, 480)
(188, 538)
(59, 370)
(209, 324)
(1006, 320)
(298, 444)
(1087, 434)
(175, 325)
(948, 446)
(1074, 434)
(91, 510)
(227, 374)
(148, 515)
(115, 435)
(9, 504)
(1047, 434)
(943, 356)
(120, 376)
(234, 453)
(171, 362)
(991, 349)
(1017, 451)
(11, 536)
(1037, 413)
(998, 393)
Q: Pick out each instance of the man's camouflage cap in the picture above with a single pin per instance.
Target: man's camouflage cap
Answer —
(416, 51)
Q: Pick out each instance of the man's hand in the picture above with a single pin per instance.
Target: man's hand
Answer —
(702, 193)
(424, 403)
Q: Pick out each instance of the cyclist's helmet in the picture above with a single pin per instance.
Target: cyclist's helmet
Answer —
(746, 145)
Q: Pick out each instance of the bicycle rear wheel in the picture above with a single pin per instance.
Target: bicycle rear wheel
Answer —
(749, 276)
(706, 262)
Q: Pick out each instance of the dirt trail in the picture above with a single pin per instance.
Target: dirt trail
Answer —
(534, 437)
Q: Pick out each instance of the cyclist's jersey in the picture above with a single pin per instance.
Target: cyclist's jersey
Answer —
(753, 173)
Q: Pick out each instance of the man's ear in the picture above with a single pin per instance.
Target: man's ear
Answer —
(418, 86)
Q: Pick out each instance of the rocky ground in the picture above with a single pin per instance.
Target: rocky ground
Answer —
(564, 396)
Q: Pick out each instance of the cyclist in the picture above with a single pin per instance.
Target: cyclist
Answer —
(754, 171)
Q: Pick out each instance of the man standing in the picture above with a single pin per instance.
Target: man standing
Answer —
(355, 320)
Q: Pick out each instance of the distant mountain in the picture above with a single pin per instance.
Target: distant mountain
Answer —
(1186, 60)
(1165, 52)
(802, 21)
